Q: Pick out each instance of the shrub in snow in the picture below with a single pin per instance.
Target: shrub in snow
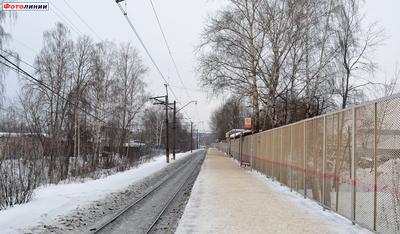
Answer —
(20, 170)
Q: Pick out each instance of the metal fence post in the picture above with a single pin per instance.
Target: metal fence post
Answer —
(353, 174)
(375, 162)
(304, 159)
(280, 158)
(251, 151)
(291, 158)
(272, 157)
(240, 149)
(323, 164)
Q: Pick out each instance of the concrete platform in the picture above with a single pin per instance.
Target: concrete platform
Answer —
(230, 199)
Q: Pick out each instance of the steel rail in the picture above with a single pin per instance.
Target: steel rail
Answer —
(120, 213)
(173, 197)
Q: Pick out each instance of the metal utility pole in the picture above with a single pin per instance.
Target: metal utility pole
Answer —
(198, 139)
(174, 134)
(166, 125)
(191, 124)
(158, 101)
(191, 136)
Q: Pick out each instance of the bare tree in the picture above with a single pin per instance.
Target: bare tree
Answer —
(54, 69)
(230, 52)
(81, 75)
(228, 116)
(100, 93)
(153, 121)
(4, 37)
(355, 47)
(128, 89)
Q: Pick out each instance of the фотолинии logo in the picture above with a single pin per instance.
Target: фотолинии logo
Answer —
(25, 6)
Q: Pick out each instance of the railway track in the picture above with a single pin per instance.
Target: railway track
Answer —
(143, 214)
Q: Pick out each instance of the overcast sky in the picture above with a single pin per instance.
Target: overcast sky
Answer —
(182, 21)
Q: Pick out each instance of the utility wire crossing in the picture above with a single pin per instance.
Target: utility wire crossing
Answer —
(169, 49)
(144, 46)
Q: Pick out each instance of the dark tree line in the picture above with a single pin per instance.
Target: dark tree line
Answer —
(228, 116)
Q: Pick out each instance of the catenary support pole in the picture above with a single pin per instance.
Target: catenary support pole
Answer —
(197, 138)
(174, 133)
(166, 125)
(191, 136)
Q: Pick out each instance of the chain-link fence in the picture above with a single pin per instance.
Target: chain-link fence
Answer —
(348, 161)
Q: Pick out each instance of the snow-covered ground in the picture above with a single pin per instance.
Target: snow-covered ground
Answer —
(343, 225)
(52, 201)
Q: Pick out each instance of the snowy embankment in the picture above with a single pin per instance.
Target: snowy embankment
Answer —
(52, 201)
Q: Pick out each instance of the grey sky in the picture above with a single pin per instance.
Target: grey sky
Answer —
(182, 21)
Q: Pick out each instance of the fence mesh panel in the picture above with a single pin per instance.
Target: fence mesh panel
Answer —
(342, 165)
(331, 149)
(256, 156)
(277, 153)
(314, 146)
(314, 157)
(388, 166)
(246, 149)
(263, 150)
(365, 172)
(258, 149)
(298, 157)
(269, 152)
(286, 144)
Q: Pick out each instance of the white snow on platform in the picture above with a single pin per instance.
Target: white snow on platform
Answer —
(342, 225)
(218, 205)
(52, 201)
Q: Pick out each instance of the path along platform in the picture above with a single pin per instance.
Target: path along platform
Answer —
(229, 199)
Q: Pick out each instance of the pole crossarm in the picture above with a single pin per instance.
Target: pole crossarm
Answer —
(186, 105)
(163, 100)
(152, 98)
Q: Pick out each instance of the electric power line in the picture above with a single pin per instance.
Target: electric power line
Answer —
(189, 89)
(19, 70)
(169, 49)
(35, 70)
(145, 48)
(18, 59)
(65, 19)
(83, 21)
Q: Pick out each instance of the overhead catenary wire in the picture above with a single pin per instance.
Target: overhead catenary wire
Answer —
(169, 49)
(81, 19)
(145, 48)
(189, 89)
(63, 17)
